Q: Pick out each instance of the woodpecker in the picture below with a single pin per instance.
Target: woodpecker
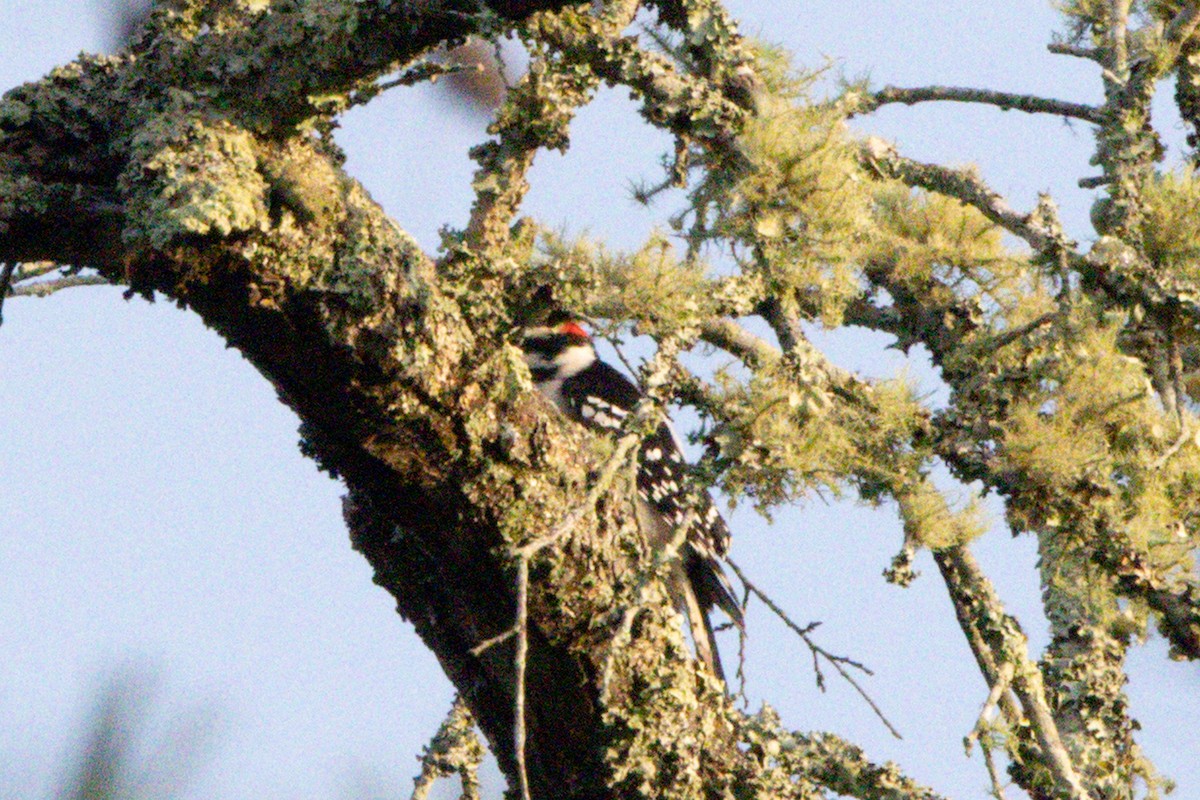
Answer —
(567, 371)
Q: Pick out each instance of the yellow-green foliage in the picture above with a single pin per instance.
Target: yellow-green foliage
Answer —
(937, 255)
(1091, 415)
(655, 287)
(783, 438)
(799, 208)
(930, 522)
(1163, 503)
(650, 286)
(1170, 225)
(920, 236)
(802, 204)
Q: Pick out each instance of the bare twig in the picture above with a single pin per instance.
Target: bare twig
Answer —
(999, 687)
(1010, 336)
(1074, 50)
(1185, 435)
(1005, 101)
(419, 73)
(522, 655)
(6, 273)
(998, 691)
(488, 644)
(839, 663)
(618, 459)
(741, 667)
(47, 288)
(993, 774)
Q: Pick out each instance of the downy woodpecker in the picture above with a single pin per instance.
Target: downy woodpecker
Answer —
(565, 368)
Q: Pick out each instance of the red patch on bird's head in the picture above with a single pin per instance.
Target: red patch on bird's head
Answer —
(573, 329)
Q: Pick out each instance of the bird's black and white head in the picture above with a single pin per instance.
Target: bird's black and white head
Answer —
(558, 351)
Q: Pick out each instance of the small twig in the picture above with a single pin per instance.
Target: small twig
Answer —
(967, 187)
(1094, 182)
(425, 71)
(1010, 336)
(644, 193)
(1181, 27)
(6, 273)
(983, 722)
(488, 644)
(1185, 436)
(47, 288)
(1030, 104)
(1003, 680)
(522, 655)
(1074, 50)
(616, 345)
(741, 667)
(836, 661)
(993, 773)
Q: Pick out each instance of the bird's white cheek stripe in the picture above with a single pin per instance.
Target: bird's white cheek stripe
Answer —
(574, 360)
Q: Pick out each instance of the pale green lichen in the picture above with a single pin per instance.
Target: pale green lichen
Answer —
(189, 178)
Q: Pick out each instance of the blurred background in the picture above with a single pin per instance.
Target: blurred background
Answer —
(176, 584)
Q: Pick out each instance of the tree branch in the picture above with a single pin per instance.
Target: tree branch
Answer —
(1005, 101)
(346, 317)
(47, 288)
(985, 622)
(1183, 24)
(1074, 50)
(352, 41)
(881, 158)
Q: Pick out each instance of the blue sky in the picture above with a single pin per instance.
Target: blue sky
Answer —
(158, 515)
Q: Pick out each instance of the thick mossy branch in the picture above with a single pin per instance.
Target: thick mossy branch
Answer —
(259, 58)
(272, 245)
